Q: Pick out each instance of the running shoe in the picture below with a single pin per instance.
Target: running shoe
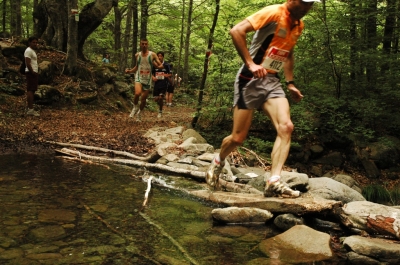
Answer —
(280, 189)
(133, 112)
(213, 172)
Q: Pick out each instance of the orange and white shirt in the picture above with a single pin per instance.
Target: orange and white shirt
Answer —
(274, 38)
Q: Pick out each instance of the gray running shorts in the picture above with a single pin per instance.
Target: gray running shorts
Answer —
(252, 93)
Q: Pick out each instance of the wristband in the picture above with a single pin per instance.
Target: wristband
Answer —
(289, 82)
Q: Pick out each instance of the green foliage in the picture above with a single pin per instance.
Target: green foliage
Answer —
(380, 194)
(258, 145)
(376, 193)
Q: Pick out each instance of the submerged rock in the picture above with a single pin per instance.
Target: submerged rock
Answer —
(241, 215)
(298, 244)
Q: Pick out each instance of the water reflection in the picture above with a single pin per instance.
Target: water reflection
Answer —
(56, 211)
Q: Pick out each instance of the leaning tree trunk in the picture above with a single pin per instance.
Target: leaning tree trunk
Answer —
(52, 17)
(187, 42)
(206, 63)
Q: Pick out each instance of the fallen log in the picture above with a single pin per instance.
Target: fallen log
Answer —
(154, 156)
(191, 173)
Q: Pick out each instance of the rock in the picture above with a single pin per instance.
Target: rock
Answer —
(334, 159)
(47, 95)
(333, 190)
(371, 169)
(300, 244)
(241, 215)
(6, 242)
(356, 214)
(287, 221)
(384, 155)
(192, 133)
(346, 180)
(275, 205)
(356, 259)
(46, 72)
(56, 215)
(381, 250)
(121, 87)
(11, 254)
(48, 233)
(316, 149)
(87, 86)
(207, 157)
(192, 147)
(325, 226)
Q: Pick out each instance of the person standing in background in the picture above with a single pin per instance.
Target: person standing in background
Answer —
(106, 58)
(32, 74)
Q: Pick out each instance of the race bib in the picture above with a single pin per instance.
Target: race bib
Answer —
(144, 74)
(275, 59)
(160, 75)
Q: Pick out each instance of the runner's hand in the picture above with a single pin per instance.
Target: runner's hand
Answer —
(295, 93)
(258, 71)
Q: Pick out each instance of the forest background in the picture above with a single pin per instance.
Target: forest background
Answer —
(346, 60)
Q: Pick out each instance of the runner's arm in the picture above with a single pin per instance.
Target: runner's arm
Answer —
(238, 35)
(157, 62)
(134, 69)
(288, 70)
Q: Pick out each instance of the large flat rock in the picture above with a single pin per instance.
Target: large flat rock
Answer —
(301, 205)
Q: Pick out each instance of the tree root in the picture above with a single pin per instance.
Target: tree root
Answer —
(191, 173)
(150, 158)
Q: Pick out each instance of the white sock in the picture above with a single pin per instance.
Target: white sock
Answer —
(274, 178)
(218, 160)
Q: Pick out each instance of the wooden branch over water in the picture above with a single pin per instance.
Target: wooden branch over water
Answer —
(150, 158)
(191, 173)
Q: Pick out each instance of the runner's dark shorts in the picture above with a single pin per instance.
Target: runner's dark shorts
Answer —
(159, 91)
(252, 93)
(171, 89)
(32, 81)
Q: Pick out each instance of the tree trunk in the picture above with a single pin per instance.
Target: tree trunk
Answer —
(13, 19)
(18, 18)
(206, 63)
(52, 20)
(178, 67)
(127, 37)
(353, 38)
(135, 12)
(372, 42)
(390, 25)
(187, 42)
(117, 33)
(144, 17)
(72, 46)
(35, 28)
(4, 15)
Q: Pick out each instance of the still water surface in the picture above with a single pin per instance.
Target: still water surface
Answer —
(56, 211)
